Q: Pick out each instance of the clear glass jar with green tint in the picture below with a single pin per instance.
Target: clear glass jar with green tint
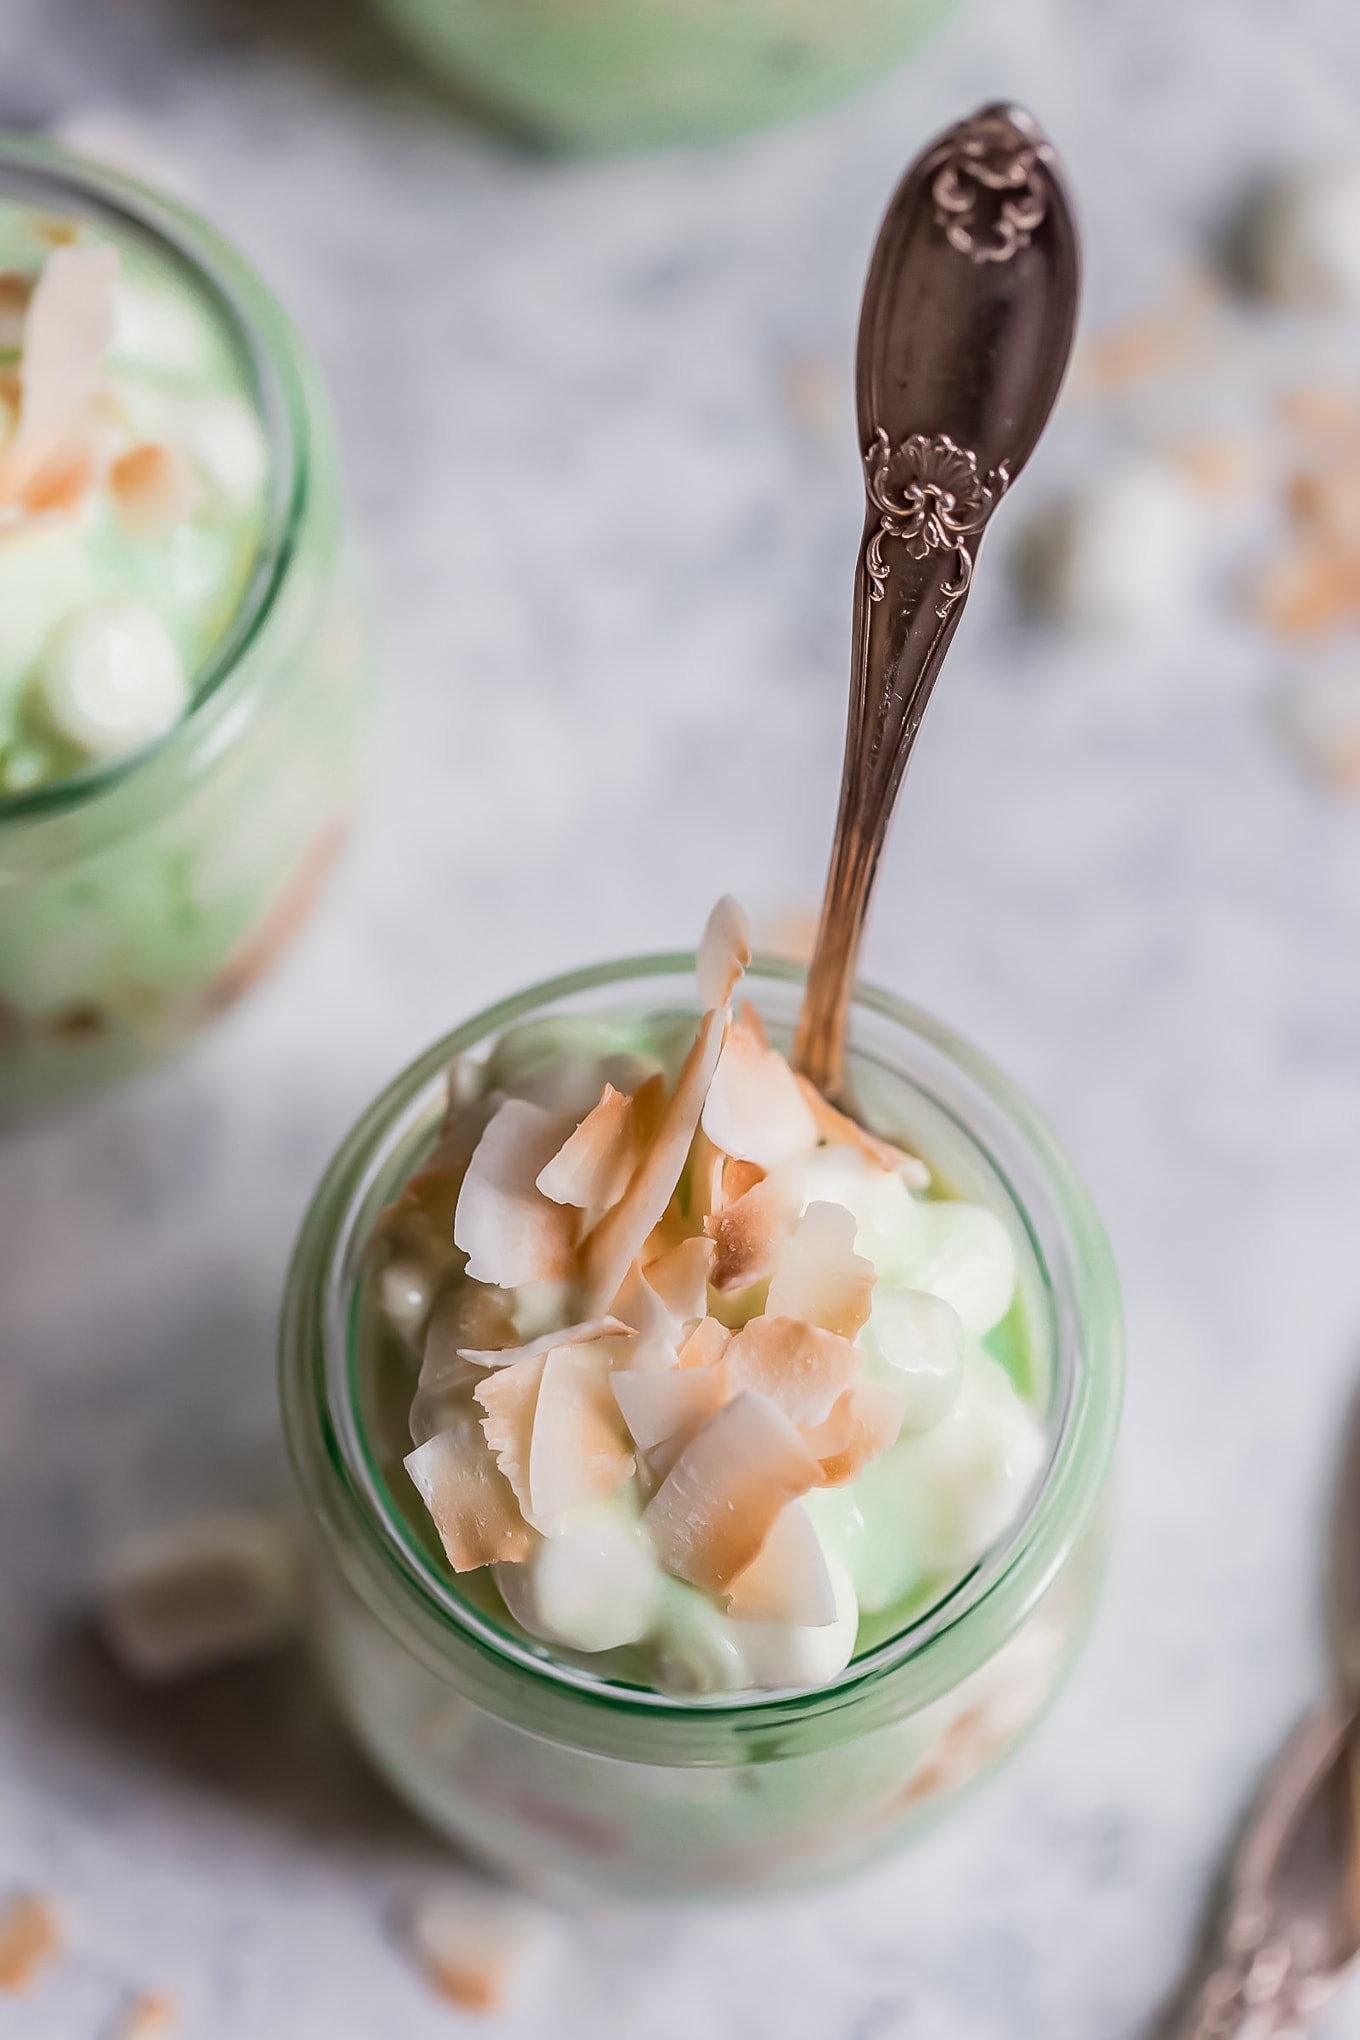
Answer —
(141, 897)
(625, 74)
(556, 1774)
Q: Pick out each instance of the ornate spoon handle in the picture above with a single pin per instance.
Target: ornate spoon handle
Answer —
(965, 332)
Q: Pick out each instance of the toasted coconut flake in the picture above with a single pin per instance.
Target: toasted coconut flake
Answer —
(738, 1178)
(569, 1335)
(149, 2015)
(706, 1344)
(714, 1510)
(509, 1398)
(819, 1276)
(755, 1111)
(658, 1332)
(510, 1232)
(789, 1579)
(864, 1422)
(839, 1130)
(706, 1166)
(801, 1368)
(30, 1938)
(476, 1940)
(580, 1448)
(593, 1167)
(748, 1235)
(724, 952)
(16, 288)
(680, 1278)
(659, 1408)
(67, 327)
(154, 489)
(618, 1239)
(472, 1503)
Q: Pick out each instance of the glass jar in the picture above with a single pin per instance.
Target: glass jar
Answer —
(556, 1775)
(140, 898)
(623, 74)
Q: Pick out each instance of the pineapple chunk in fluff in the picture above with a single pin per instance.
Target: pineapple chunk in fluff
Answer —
(702, 1372)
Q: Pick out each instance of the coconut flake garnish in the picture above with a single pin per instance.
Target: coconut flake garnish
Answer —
(724, 952)
(509, 1399)
(580, 1448)
(801, 1368)
(660, 1407)
(619, 1237)
(680, 1278)
(837, 1129)
(154, 488)
(68, 326)
(706, 1343)
(657, 1332)
(714, 1510)
(789, 1579)
(819, 1277)
(472, 1503)
(755, 1110)
(510, 1232)
(570, 1335)
(593, 1167)
(749, 1234)
(863, 1424)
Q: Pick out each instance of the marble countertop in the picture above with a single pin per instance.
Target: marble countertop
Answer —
(1110, 871)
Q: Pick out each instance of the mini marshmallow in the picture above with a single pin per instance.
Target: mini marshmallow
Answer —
(916, 1341)
(112, 679)
(965, 1256)
(595, 1585)
(225, 442)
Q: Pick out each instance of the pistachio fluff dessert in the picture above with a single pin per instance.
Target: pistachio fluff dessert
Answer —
(133, 472)
(709, 1387)
(185, 686)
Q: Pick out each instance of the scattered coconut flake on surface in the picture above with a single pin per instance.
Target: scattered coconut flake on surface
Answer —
(755, 1111)
(471, 1502)
(789, 1579)
(837, 1129)
(714, 1510)
(724, 953)
(595, 1163)
(819, 1277)
(618, 1239)
(580, 1447)
(510, 1232)
(802, 1369)
(30, 1939)
(477, 1941)
(865, 1421)
(188, 1597)
(149, 2015)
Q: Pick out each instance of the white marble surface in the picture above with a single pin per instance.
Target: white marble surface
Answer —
(611, 570)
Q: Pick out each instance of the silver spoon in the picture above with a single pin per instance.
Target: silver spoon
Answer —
(965, 333)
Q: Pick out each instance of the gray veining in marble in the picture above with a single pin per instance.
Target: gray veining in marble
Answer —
(1109, 871)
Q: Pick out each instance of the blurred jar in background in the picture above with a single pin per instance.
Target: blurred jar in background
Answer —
(623, 74)
(185, 685)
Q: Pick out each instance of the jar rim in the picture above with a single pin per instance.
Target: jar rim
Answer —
(37, 171)
(1022, 1563)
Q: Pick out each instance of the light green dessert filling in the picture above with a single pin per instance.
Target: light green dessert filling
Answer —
(881, 1328)
(133, 476)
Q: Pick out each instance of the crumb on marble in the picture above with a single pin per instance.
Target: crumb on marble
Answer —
(30, 1938)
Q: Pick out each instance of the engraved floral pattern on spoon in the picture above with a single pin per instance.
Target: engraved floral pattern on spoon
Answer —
(988, 193)
(930, 498)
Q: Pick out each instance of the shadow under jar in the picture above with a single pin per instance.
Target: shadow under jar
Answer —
(142, 895)
(555, 1773)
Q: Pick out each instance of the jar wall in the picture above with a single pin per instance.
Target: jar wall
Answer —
(573, 1821)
